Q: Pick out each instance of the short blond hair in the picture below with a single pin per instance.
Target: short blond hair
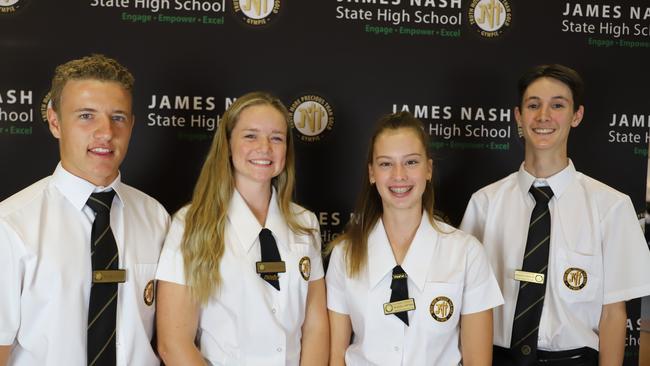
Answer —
(95, 67)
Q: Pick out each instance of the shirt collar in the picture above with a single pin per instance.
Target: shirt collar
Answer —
(247, 228)
(416, 264)
(558, 182)
(78, 190)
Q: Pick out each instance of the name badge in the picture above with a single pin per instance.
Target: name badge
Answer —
(109, 276)
(531, 277)
(270, 267)
(399, 306)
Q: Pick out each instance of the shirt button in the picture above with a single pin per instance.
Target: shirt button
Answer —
(396, 348)
(273, 310)
(279, 349)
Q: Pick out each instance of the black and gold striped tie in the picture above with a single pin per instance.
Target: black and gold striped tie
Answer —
(103, 296)
(530, 300)
(399, 291)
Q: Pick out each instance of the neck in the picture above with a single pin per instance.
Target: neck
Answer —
(257, 199)
(400, 229)
(541, 165)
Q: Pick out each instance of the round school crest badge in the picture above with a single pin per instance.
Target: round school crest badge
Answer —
(575, 278)
(305, 267)
(149, 293)
(441, 308)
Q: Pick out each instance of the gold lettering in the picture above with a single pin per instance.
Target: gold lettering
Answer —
(441, 309)
(259, 5)
(311, 116)
(490, 13)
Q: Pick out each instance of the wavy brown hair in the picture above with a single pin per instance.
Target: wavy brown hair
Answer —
(203, 242)
(369, 206)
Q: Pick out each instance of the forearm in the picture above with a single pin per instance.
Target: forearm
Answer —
(4, 355)
(315, 330)
(612, 334)
(180, 353)
(476, 338)
(315, 347)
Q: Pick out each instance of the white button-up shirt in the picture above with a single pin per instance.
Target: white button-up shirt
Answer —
(445, 267)
(45, 270)
(593, 228)
(247, 321)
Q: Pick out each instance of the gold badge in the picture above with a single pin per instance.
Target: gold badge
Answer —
(575, 278)
(149, 293)
(399, 306)
(441, 308)
(531, 277)
(270, 267)
(305, 267)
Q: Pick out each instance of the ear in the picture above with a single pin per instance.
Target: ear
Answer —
(53, 122)
(577, 116)
(371, 175)
(518, 116)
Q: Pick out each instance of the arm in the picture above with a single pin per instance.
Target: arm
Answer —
(177, 318)
(4, 355)
(315, 329)
(611, 331)
(476, 338)
(340, 334)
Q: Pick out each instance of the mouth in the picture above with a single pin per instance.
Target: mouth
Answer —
(400, 191)
(543, 131)
(260, 162)
(101, 151)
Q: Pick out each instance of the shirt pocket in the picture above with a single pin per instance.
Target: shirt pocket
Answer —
(578, 276)
(438, 309)
(145, 293)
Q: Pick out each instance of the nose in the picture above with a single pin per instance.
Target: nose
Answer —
(544, 113)
(399, 172)
(104, 128)
(264, 145)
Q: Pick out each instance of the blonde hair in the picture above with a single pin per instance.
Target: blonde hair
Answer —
(369, 206)
(203, 242)
(94, 67)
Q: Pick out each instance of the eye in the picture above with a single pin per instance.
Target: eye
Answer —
(384, 164)
(412, 162)
(277, 138)
(532, 106)
(557, 106)
(250, 136)
(118, 118)
(85, 116)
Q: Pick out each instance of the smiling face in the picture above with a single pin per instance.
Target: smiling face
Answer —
(93, 125)
(400, 169)
(547, 115)
(258, 145)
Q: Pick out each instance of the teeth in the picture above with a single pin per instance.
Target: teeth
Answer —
(543, 130)
(400, 189)
(100, 150)
(261, 162)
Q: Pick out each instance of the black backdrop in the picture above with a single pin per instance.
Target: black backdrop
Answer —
(357, 65)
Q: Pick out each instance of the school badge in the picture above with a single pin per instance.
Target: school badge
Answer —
(441, 308)
(305, 267)
(149, 293)
(575, 278)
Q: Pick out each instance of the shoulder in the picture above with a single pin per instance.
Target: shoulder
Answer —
(456, 237)
(25, 198)
(604, 196)
(497, 188)
(303, 216)
(141, 201)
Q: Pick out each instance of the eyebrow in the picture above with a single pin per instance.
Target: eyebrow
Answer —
(258, 130)
(555, 97)
(95, 111)
(405, 156)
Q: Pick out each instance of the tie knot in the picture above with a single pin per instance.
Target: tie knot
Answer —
(541, 194)
(266, 234)
(398, 273)
(101, 201)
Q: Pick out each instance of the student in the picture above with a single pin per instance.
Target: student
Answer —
(565, 289)
(79, 248)
(412, 290)
(241, 270)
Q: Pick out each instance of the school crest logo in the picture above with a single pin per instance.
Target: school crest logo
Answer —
(305, 267)
(441, 308)
(46, 102)
(490, 18)
(256, 12)
(575, 278)
(311, 116)
(11, 6)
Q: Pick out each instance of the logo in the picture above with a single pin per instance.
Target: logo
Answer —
(45, 104)
(311, 115)
(149, 293)
(11, 6)
(441, 308)
(490, 17)
(305, 267)
(256, 12)
(575, 278)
